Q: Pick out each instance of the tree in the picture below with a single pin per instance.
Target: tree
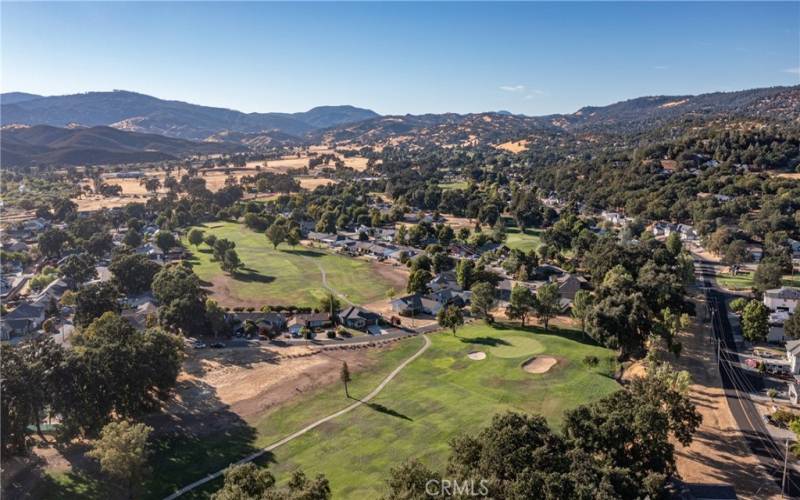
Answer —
(738, 304)
(93, 300)
(344, 374)
(581, 306)
(418, 281)
(195, 237)
(755, 321)
(165, 240)
(51, 241)
(77, 269)
(465, 273)
(122, 451)
(483, 300)
(735, 253)
(210, 240)
(182, 301)
(547, 303)
(293, 237)
(768, 275)
(133, 238)
(133, 273)
(276, 233)
(791, 326)
(521, 303)
(222, 245)
(408, 481)
(450, 317)
(330, 304)
(215, 316)
(674, 244)
(230, 261)
(249, 482)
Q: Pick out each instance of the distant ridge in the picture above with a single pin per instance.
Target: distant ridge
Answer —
(136, 112)
(46, 145)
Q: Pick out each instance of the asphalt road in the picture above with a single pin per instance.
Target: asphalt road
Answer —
(737, 383)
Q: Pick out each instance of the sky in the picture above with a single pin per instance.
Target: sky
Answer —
(397, 58)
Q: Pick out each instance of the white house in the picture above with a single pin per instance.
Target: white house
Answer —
(776, 321)
(784, 298)
(793, 356)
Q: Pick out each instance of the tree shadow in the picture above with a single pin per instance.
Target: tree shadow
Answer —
(574, 335)
(252, 276)
(387, 411)
(487, 341)
(306, 253)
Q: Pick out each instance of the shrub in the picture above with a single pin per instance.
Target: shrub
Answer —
(591, 361)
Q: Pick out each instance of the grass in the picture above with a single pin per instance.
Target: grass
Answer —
(529, 239)
(744, 281)
(437, 397)
(288, 276)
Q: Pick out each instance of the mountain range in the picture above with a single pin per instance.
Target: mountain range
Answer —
(47, 145)
(118, 126)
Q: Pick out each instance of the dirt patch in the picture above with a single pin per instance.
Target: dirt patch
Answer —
(312, 183)
(539, 364)
(635, 370)
(514, 146)
(476, 355)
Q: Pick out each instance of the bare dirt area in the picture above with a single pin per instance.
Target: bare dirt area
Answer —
(312, 183)
(718, 454)
(246, 382)
(514, 146)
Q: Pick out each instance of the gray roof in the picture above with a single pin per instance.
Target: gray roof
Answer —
(25, 311)
(784, 292)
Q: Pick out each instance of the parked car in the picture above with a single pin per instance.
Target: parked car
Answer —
(199, 345)
(217, 345)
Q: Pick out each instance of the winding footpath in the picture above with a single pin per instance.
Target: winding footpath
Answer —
(309, 427)
(325, 283)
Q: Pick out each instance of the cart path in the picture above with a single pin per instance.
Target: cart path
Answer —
(309, 427)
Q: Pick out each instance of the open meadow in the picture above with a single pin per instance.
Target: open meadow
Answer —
(287, 276)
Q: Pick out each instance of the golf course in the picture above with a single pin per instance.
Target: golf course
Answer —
(286, 275)
(439, 395)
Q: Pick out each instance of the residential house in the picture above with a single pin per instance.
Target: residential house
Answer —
(23, 320)
(138, 316)
(410, 305)
(687, 232)
(664, 228)
(776, 332)
(784, 298)
(793, 356)
(310, 321)
(358, 318)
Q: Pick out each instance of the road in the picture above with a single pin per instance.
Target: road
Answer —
(309, 427)
(738, 383)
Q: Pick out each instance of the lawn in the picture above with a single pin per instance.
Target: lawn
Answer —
(454, 185)
(438, 396)
(744, 281)
(288, 276)
(528, 240)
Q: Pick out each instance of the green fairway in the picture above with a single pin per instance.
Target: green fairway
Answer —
(438, 396)
(288, 276)
(525, 241)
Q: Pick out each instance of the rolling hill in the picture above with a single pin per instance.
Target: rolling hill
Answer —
(136, 112)
(46, 145)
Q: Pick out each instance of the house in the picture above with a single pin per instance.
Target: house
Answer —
(269, 322)
(138, 316)
(776, 321)
(784, 298)
(54, 291)
(410, 305)
(444, 281)
(310, 321)
(568, 286)
(358, 318)
(664, 228)
(687, 232)
(503, 290)
(793, 356)
(23, 320)
(794, 390)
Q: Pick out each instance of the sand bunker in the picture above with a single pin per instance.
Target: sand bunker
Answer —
(476, 355)
(539, 365)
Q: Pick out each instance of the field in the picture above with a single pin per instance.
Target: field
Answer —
(288, 276)
(528, 240)
(744, 281)
(454, 185)
(440, 395)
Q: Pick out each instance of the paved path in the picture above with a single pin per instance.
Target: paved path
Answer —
(325, 281)
(309, 427)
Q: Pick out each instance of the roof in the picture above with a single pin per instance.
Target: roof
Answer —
(354, 311)
(25, 311)
(313, 317)
(784, 292)
(793, 346)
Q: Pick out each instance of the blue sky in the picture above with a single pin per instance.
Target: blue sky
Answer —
(532, 58)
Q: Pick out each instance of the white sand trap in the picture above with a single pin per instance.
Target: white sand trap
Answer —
(539, 365)
(476, 355)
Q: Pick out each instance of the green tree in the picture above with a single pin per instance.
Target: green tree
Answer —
(547, 303)
(581, 306)
(245, 482)
(165, 240)
(674, 244)
(408, 481)
(215, 316)
(91, 301)
(344, 374)
(755, 321)
(276, 233)
(450, 317)
(483, 300)
(182, 301)
(418, 281)
(133, 238)
(293, 237)
(768, 275)
(465, 273)
(77, 269)
(123, 452)
(133, 273)
(210, 240)
(52, 241)
(330, 304)
(521, 304)
(738, 304)
(230, 261)
(195, 236)
(735, 253)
